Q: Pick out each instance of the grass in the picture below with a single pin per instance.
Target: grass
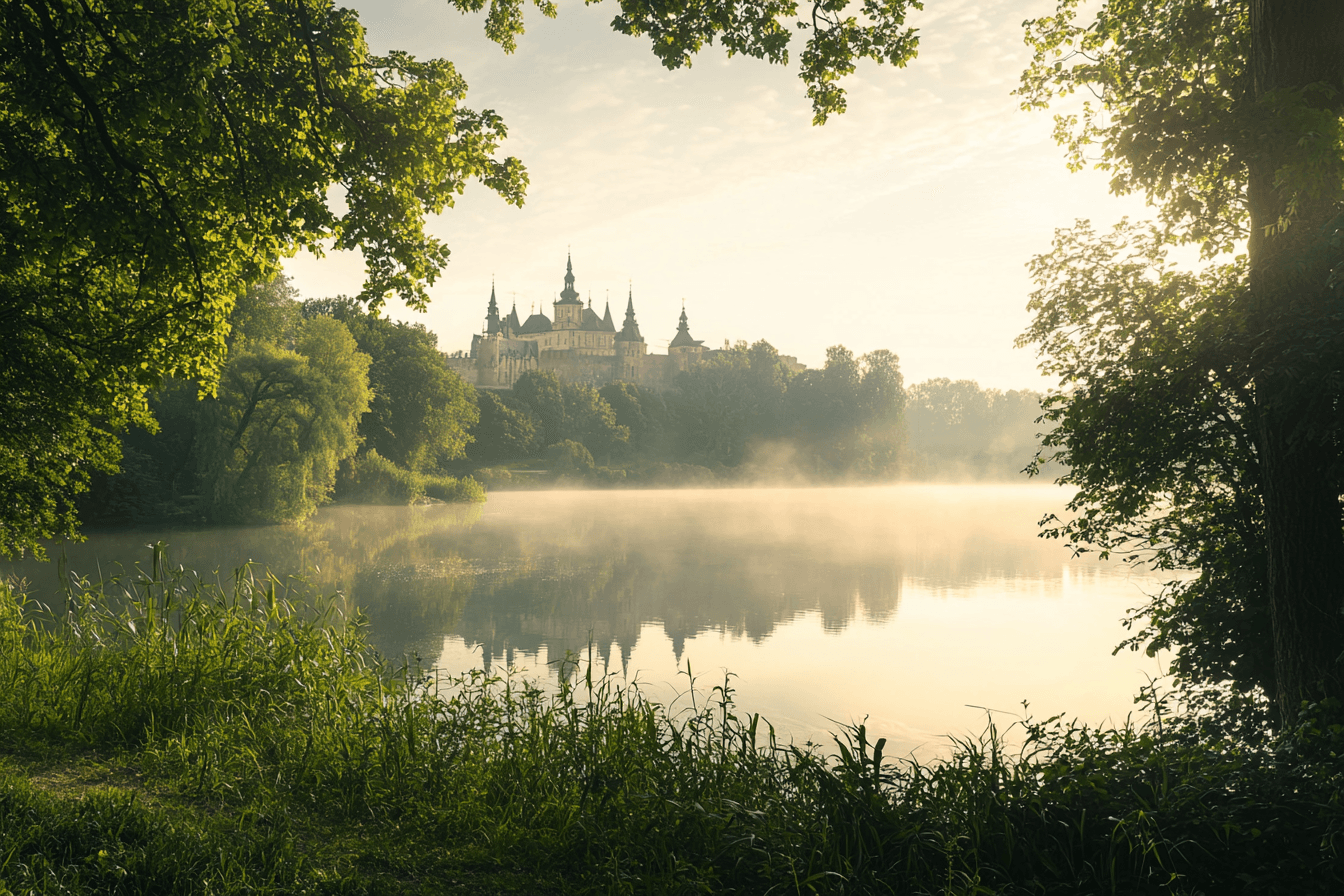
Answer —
(163, 733)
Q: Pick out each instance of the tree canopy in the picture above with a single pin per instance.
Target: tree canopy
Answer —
(1227, 116)
(158, 157)
(282, 421)
(420, 412)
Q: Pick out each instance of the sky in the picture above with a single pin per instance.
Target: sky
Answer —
(904, 224)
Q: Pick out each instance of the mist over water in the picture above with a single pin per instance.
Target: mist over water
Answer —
(902, 603)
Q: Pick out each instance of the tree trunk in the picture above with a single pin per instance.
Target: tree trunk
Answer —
(1297, 43)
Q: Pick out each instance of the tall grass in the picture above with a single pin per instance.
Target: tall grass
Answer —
(255, 698)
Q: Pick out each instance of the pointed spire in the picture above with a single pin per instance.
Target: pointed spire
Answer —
(630, 332)
(492, 312)
(569, 295)
(683, 337)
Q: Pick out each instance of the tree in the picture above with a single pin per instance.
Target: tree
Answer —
(882, 389)
(1157, 429)
(713, 407)
(421, 413)
(544, 396)
(282, 422)
(1227, 115)
(592, 421)
(643, 412)
(505, 429)
(158, 157)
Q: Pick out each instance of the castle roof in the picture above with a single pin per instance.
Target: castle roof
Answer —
(537, 323)
(608, 326)
(569, 295)
(513, 318)
(590, 320)
(683, 338)
(492, 313)
(630, 331)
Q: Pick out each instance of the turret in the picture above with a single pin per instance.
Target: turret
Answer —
(492, 313)
(569, 307)
(630, 347)
(684, 350)
(630, 331)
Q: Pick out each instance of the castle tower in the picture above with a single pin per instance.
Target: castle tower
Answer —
(492, 313)
(569, 307)
(487, 360)
(683, 350)
(630, 346)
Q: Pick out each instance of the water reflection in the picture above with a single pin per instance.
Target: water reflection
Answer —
(752, 578)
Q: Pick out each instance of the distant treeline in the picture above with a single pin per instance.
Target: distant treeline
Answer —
(321, 400)
(958, 430)
(743, 415)
(740, 414)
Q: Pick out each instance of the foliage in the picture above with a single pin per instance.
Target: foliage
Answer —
(156, 157)
(260, 711)
(421, 413)
(1230, 119)
(268, 311)
(643, 413)
(592, 421)
(506, 429)
(569, 458)
(740, 412)
(848, 417)
(569, 412)
(543, 394)
(370, 478)
(1147, 348)
(721, 404)
(282, 422)
(1170, 118)
(454, 490)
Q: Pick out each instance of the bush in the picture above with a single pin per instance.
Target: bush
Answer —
(371, 478)
(446, 488)
(569, 458)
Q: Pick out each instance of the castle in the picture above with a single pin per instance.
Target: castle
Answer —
(577, 345)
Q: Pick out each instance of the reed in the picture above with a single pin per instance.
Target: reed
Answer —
(303, 761)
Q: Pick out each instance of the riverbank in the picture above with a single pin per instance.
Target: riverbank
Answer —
(162, 734)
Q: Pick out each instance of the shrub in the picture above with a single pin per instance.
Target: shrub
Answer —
(371, 478)
(447, 488)
(569, 458)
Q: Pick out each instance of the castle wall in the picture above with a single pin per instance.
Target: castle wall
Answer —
(579, 367)
(462, 365)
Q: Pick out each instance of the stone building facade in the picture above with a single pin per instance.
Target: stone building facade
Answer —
(577, 344)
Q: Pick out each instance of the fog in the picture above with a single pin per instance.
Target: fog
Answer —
(904, 603)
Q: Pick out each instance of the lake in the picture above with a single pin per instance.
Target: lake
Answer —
(917, 606)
